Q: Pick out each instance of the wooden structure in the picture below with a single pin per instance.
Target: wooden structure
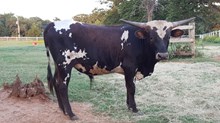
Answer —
(188, 38)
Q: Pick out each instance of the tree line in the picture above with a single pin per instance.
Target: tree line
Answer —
(207, 13)
(28, 26)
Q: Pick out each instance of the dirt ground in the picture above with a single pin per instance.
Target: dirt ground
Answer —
(39, 110)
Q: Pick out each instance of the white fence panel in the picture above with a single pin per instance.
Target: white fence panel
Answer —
(213, 33)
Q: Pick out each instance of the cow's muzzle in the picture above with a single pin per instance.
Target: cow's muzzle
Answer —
(162, 56)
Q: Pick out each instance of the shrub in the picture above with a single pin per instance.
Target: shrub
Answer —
(211, 39)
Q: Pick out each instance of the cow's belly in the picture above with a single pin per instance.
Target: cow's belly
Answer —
(96, 70)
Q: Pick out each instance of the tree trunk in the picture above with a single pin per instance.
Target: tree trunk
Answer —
(149, 6)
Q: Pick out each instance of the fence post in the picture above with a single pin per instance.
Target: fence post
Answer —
(219, 33)
(192, 36)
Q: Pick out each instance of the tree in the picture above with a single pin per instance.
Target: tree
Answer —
(149, 5)
(28, 26)
(97, 17)
(112, 16)
(132, 10)
(202, 9)
(8, 25)
(34, 31)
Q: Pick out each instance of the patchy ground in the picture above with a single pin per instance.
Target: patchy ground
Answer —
(28, 103)
(176, 92)
(212, 52)
(39, 110)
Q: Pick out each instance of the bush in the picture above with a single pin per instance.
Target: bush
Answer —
(212, 39)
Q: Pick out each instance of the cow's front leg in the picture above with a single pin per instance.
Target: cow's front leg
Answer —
(129, 77)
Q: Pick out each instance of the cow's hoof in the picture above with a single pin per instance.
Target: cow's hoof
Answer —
(74, 118)
(139, 113)
(135, 110)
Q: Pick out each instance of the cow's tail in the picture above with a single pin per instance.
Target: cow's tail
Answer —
(50, 77)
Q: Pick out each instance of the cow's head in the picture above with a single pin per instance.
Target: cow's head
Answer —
(158, 32)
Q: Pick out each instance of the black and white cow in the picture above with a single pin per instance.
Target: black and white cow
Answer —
(131, 49)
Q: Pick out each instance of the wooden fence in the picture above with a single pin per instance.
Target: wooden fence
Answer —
(189, 38)
(21, 38)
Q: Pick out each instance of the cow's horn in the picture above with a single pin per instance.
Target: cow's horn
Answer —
(137, 24)
(177, 23)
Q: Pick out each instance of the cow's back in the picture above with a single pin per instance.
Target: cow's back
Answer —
(90, 49)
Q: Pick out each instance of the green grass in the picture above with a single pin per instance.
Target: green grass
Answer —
(25, 60)
(108, 94)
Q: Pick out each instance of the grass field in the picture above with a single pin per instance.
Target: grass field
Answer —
(184, 91)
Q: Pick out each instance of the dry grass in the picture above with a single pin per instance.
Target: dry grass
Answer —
(176, 92)
(182, 90)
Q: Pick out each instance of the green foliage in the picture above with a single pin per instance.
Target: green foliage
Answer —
(35, 30)
(131, 10)
(161, 11)
(206, 15)
(112, 17)
(176, 49)
(97, 17)
(211, 39)
(28, 26)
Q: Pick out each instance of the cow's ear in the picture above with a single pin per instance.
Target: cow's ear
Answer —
(177, 33)
(141, 34)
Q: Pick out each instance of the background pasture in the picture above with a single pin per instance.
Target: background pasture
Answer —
(180, 90)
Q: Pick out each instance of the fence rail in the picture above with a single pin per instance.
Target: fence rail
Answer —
(21, 38)
(213, 33)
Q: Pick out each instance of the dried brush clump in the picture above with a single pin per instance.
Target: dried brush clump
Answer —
(27, 90)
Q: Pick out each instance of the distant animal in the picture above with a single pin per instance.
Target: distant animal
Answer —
(131, 49)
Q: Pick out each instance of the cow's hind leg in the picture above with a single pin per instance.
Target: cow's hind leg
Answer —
(63, 78)
(56, 87)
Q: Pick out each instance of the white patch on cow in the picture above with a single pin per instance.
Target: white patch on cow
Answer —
(124, 38)
(71, 55)
(139, 76)
(70, 35)
(122, 45)
(159, 25)
(65, 79)
(65, 24)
